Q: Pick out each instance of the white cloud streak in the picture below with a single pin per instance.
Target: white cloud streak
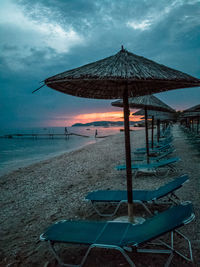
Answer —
(40, 32)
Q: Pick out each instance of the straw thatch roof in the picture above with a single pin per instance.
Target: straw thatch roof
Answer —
(149, 101)
(153, 113)
(107, 78)
(158, 115)
(192, 114)
(193, 109)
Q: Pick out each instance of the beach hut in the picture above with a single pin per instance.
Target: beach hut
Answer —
(122, 75)
(148, 102)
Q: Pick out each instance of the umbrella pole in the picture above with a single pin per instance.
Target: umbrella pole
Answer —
(152, 125)
(147, 135)
(128, 155)
(158, 130)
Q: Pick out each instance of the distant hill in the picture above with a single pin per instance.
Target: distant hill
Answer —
(104, 123)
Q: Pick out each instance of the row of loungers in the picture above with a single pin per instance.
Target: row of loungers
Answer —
(193, 138)
(126, 237)
(160, 162)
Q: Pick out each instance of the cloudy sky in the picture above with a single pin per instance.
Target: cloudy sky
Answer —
(40, 38)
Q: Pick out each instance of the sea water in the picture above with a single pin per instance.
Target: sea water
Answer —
(22, 151)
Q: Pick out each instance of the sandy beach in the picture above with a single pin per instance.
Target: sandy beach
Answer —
(34, 197)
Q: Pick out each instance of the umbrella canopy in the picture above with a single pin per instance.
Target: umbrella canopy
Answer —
(189, 118)
(193, 112)
(193, 109)
(190, 114)
(151, 102)
(121, 76)
(159, 117)
(156, 114)
(107, 78)
(147, 102)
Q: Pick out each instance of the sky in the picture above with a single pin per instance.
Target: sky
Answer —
(41, 38)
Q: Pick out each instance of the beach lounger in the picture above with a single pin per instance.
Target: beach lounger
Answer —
(143, 197)
(153, 167)
(155, 157)
(162, 141)
(124, 236)
(154, 150)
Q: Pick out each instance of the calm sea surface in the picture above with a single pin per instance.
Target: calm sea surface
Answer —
(22, 151)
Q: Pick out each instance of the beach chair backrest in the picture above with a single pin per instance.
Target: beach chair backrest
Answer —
(170, 187)
(159, 224)
(166, 162)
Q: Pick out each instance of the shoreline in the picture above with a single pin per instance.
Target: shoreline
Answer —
(34, 197)
(40, 159)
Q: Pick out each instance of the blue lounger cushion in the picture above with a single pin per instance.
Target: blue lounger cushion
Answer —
(119, 233)
(152, 165)
(154, 157)
(154, 150)
(138, 195)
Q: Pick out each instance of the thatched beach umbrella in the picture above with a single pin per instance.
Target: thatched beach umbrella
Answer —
(193, 109)
(192, 113)
(158, 116)
(122, 75)
(147, 102)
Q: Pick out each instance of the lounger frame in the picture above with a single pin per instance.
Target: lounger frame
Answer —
(171, 199)
(154, 168)
(170, 249)
(168, 199)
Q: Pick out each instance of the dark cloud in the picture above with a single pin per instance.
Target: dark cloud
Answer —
(44, 37)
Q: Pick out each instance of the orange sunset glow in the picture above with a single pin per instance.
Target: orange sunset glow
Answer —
(90, 117)
(103, 116)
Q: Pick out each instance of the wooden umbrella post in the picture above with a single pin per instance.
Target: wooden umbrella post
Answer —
(152, 125)
(128, 155)
(158, 130)
(147, 135)
(197, 124)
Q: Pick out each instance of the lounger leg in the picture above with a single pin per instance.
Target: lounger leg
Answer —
(104, 214)
(60, 262)
(190, 258)
(171, 250)
(171, 199)
(174, 198)
(160, 172)
(146, 208)
(119, 249)
(167, 263)
(135, 174)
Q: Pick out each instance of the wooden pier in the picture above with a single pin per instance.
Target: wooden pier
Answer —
(41, 135)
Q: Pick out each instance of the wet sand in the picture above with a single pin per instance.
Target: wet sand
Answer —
(34, 197)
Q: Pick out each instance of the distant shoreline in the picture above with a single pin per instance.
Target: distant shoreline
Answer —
(107, 124)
